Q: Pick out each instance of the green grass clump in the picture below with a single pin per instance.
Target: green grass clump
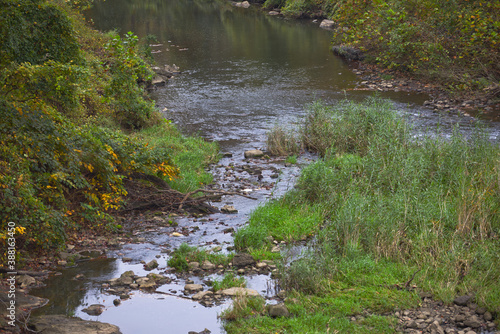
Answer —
(182, 256)
(229, 280)
(190, 154)
(282, 142)
(389, 206)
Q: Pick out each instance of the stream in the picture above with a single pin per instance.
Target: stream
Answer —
(242, 72)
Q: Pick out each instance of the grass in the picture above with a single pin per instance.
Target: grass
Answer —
(229, 281)
(182, 256)
(282, 141)
(384, 206)
(190, 154)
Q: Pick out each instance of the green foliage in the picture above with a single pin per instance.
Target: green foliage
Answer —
(282, 141)
(243, 307)
(451, 41)
(189, 154)
(127, 68)
(35, 31)
(182, 256)
(229, 280)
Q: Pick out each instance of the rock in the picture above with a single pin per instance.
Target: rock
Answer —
(261, 265)
(117, 302)
(60, 324)
(279, 310)
(205, 331)
(192, 288)
(253, 154)
(244, 4)
(159, 81)
(487, 316)
(348, 52)
(202, 294)
(228, 209)
(274, 13)
(327, 24)
(462, 300)
(151, 265)
(177, 234)
(126, 259)
(25, 281)
(193, 265)
(239, 291)
(227, 155)
(207, 265)
(243, 260)
(472, 322)
(95, 309)
(146, 283)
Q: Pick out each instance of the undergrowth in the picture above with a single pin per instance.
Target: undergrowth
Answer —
(77, 121)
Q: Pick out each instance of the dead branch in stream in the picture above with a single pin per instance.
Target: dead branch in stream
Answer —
(215, 193)
(144, 196)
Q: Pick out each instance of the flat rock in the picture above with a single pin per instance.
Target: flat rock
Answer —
(202, 294)
(207, 265)
(243, 260)
(253, 154)
(327, 24)
(60, 324)
(239, 291)
(192, 288)
(95, 309)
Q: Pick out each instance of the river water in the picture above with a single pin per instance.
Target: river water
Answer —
(242, 72)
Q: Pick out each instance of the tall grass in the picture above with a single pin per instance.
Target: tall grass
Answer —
(431, 204)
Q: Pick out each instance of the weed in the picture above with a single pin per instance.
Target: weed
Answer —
(228, 281)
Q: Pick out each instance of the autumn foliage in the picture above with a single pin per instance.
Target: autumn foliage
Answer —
(67, 96)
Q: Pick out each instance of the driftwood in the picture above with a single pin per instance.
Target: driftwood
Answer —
(158, 195)
(215, 193)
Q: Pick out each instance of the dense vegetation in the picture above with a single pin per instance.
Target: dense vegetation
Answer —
(453, 42)
(75, 122)
(384, 205)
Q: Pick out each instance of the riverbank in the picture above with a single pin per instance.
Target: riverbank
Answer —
(405, 233)
(447, 50)
(82, 144)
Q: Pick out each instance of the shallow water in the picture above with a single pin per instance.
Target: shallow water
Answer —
(242, 73)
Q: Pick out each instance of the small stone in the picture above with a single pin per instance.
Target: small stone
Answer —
(228, 209)
(94, 309)
(117, 302)
(243, 260)
(151, 265)
(487, 316)
(462, 300)
(207, 265)
(126, 259)
(277, 311)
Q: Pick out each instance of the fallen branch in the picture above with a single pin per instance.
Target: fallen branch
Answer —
(215, 193)
(407, 284)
